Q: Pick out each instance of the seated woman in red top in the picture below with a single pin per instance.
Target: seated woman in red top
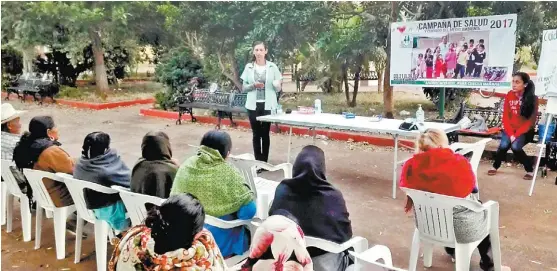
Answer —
(436, 168)
(519, 119)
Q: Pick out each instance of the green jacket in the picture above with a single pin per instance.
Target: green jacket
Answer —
(248, 78)
(218, 185)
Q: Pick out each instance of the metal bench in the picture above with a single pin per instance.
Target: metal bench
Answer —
(493, 117)
(38, 88)
(224, 103)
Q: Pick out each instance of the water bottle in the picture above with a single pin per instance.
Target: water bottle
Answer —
(317, 106)
(420, 114)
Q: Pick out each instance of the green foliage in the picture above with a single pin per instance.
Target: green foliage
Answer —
(12, 61)
(71, 93)
(69, 27)
(175, 71)
(163, 100)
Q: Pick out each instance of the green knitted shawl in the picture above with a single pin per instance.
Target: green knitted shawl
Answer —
(218, 185)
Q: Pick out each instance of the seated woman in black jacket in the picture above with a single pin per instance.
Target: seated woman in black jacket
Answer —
(102, 165)
(319, 207)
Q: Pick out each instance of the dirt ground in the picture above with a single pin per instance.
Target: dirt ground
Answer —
(363, 173)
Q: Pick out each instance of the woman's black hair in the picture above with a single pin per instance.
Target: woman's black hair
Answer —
(176, 222)
(5, 127)
(255, 44)
(95, 144)
(218, 140)
(39, 126)
(24, 156)
(528, 97)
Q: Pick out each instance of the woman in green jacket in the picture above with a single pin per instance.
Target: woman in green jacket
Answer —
(261, 80)
(220, 188)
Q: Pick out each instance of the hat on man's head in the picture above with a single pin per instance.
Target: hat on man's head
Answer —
(9, 113)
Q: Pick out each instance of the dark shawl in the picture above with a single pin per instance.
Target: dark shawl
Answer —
(107, 169)
(154, 172)
(318, 206)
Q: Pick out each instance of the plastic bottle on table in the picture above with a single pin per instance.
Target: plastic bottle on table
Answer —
(317, 106)
(420, 114)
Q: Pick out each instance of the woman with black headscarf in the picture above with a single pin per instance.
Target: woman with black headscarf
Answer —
(39, 149)
(102, 165)
(155, 171)
(319, 207)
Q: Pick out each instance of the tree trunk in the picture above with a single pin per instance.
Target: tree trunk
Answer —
(28, 57)
(234, 77)
(380, 74)
(356, 86)
(236, 73)
(101, 79)
(387, 88)
(344, 79)
(304, 85)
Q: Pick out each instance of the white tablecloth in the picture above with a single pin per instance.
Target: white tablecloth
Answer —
(358, 124)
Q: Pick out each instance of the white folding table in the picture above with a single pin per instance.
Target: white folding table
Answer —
(358, 124)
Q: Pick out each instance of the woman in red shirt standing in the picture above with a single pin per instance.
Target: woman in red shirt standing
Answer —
(519, 118)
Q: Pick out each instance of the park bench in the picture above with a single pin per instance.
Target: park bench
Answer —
(224, 103)
(38, 88)
(493, 117)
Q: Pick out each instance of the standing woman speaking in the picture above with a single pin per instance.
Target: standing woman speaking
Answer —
(261, 80)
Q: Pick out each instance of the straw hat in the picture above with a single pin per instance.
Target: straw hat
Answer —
(9, 113)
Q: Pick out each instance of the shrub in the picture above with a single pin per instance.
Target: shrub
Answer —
(71, 92)
(12, 61)
(175, 70)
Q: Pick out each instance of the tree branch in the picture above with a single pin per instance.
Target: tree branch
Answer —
(223, 68)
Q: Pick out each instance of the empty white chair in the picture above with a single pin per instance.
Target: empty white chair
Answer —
(369, 259)
(10, 189)
(224, 224)
(40, 193)
(434, 226)
(102, 229)
(263, 188)
(135, 203)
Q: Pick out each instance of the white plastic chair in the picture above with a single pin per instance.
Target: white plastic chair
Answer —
(10, 189)
(358, 243)
(102, 229)
(369, 259)
(3, 202)
(60, 214)
(224, 224)
(264, 189)
(434, 226)
(477, 150)
(135, 203)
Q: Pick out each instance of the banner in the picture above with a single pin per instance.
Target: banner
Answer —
(474, 52)
(547, 66)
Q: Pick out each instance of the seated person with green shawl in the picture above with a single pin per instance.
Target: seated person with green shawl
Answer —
(220, 188)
